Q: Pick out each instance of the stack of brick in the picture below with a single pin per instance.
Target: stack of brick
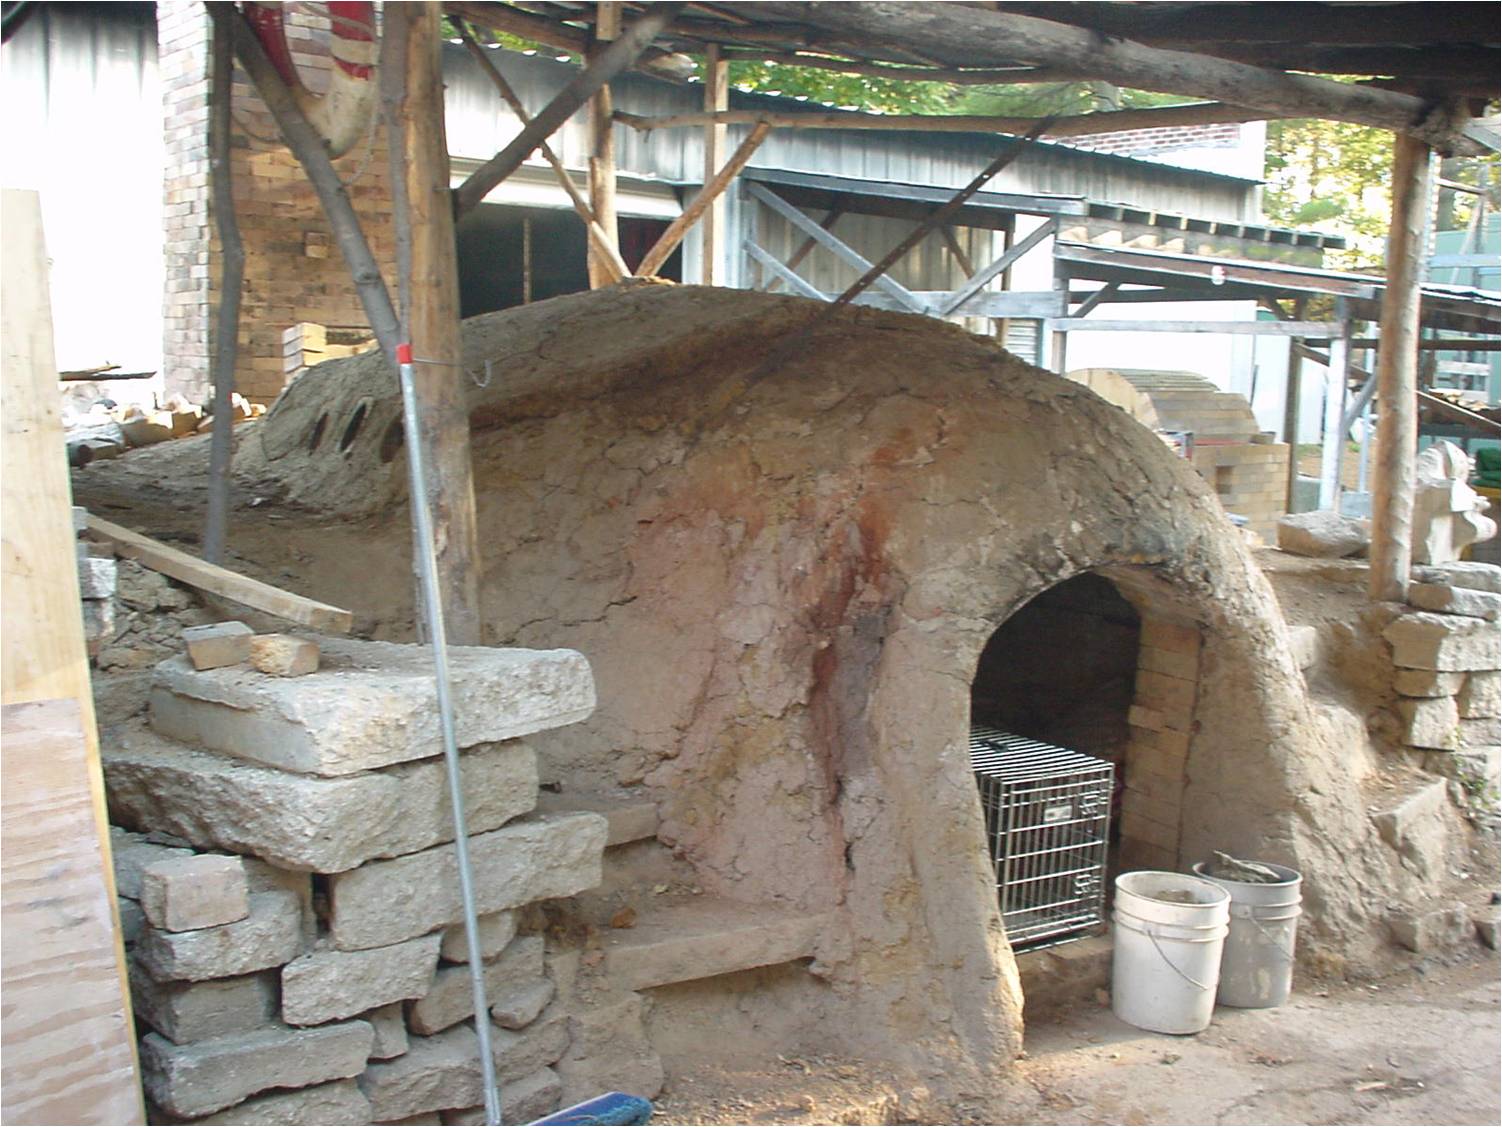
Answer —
(290, 895)
(1250, 479)
(1161, 721)
(97, 579)
(1446, 675)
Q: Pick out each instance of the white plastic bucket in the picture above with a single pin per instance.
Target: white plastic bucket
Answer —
(1167, 942)
(1257, 969)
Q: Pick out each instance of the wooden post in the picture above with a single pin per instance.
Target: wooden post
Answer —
(419, 150)
(712, 231)
(1292, 390)
(602, 150)
(1397, 367)
(1333, 439)
(227, 317)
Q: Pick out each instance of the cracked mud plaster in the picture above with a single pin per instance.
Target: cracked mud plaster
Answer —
(783, 578)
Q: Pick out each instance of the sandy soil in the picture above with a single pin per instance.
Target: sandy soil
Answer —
(1421, 1046)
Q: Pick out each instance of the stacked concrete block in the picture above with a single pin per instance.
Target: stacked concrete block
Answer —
(1251, 480)
(1446, 656)
(296, 947)
(1161, 721)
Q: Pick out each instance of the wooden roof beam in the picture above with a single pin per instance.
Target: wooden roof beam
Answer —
(966, 36)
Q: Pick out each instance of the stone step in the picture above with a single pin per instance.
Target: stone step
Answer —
(1414, 822)
(371, 704)
(628, 816)
(707, 936)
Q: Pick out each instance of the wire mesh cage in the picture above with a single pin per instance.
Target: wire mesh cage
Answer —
(1048, 816)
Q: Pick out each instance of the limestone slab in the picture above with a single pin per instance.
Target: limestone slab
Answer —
(270, 936)
(1322, 534)
(1426, 683)
(208, 1076)
(451, 998)
(1464, 573)
(523, 1101)
(537, 858)
(370, 705)
(519, 1008)
(335, 1103)
(327, 985)
(218, 644)
(96, 578)
(1430, 723)
(188, 893)
(1480, 698)
(305, 822)
(1430, 928)
(284, 655)
(1414, 826)
(1445, 599)
(390, 1025)
(1448, 643)
(496, 930)
(184, 1012)
(130, 854)
(434, 1073)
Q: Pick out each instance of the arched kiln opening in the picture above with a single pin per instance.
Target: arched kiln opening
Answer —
(1082, 711)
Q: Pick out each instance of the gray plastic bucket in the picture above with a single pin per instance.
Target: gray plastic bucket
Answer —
(1257, 969)
(1166, 949)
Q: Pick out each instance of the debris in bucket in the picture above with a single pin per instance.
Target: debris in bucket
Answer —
(1176, 896)
(1227, 867)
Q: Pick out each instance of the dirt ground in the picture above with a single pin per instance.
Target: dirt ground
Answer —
(1420, 1046)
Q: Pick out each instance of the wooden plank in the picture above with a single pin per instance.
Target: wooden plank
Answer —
(668, 241)
(583, 86)
(430, 296)
(841, 249)
(712, 232)
(1318, 330)
(68, 1041)
(603, 247)
(221, 581)
(979, 281)
(807, 246)
(70, 1072)
(1391, 551)
(602, 172)
(782, 273)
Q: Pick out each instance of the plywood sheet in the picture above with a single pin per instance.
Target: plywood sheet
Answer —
(66, 1042)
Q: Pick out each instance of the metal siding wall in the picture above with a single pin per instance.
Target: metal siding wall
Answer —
(84, 128)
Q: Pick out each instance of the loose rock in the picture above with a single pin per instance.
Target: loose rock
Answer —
(328, 985)
(219, 645)
(283, 655)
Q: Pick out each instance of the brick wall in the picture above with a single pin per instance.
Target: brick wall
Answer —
(1135, 142)
(293, 270)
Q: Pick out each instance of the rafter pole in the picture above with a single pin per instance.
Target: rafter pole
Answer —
(602, 148)
(583, 86)
(984, 38)
(699, 205)
(712, 231)
(608, 253)
(1397, 369)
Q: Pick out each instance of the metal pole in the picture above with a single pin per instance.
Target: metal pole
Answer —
(427, 565)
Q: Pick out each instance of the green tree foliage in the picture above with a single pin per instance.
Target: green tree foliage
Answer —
(1332, 175)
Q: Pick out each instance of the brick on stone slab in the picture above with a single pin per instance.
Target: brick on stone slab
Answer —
(390, 1025)
(306, 822)
(1455, 600)
(451, 999)
(284, 655)
(218, 645)
(370, 705)
(538, 858)
(327, 985)
(1428, 929)
(518, 1008)
(184, 1012)
(189, 893)
(1426, 683)
(335, 1103)
(1463, 573)
(131, 853)
(1429, 723)
(269, 937)
(1449, 643)
(1480, 698)
(209, 1076)
(496, 930)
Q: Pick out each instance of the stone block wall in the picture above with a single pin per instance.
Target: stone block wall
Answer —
(1446, 660)
(294, 931)
(293, 270)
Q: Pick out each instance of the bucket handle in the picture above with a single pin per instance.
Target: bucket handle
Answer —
(1173, 967)
(1272, 939)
